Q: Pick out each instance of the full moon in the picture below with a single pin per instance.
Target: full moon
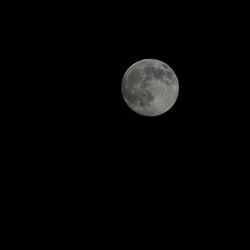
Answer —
(150, 87)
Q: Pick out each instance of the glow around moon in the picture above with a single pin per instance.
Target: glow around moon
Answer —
(150, 87)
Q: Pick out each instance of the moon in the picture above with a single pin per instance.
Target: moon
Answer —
(150, 87)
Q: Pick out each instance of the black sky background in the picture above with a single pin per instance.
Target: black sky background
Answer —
(83, 153)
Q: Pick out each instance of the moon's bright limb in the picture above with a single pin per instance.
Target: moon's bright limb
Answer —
(150, 87)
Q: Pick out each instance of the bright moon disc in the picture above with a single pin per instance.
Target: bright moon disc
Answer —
(150, 87)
